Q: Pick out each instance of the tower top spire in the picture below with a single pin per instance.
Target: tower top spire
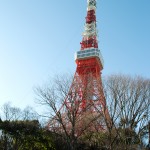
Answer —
(90, 32)
(91, 4)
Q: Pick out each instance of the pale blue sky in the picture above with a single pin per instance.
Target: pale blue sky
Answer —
(38, 39)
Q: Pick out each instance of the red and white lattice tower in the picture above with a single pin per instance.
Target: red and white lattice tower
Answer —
(86, 97)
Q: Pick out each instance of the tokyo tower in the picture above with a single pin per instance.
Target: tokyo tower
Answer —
(85, 100)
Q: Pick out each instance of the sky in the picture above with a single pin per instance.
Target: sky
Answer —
(38, 39)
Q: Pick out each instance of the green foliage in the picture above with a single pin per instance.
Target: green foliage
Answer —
(25, 135)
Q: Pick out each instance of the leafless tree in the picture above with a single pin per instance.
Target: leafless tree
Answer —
(9, 112)
(128, 100)
(29, 113)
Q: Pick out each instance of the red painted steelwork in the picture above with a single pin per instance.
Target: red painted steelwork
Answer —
(88, 43)
(90, 16)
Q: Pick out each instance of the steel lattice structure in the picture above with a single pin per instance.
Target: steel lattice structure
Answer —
(85, 99)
